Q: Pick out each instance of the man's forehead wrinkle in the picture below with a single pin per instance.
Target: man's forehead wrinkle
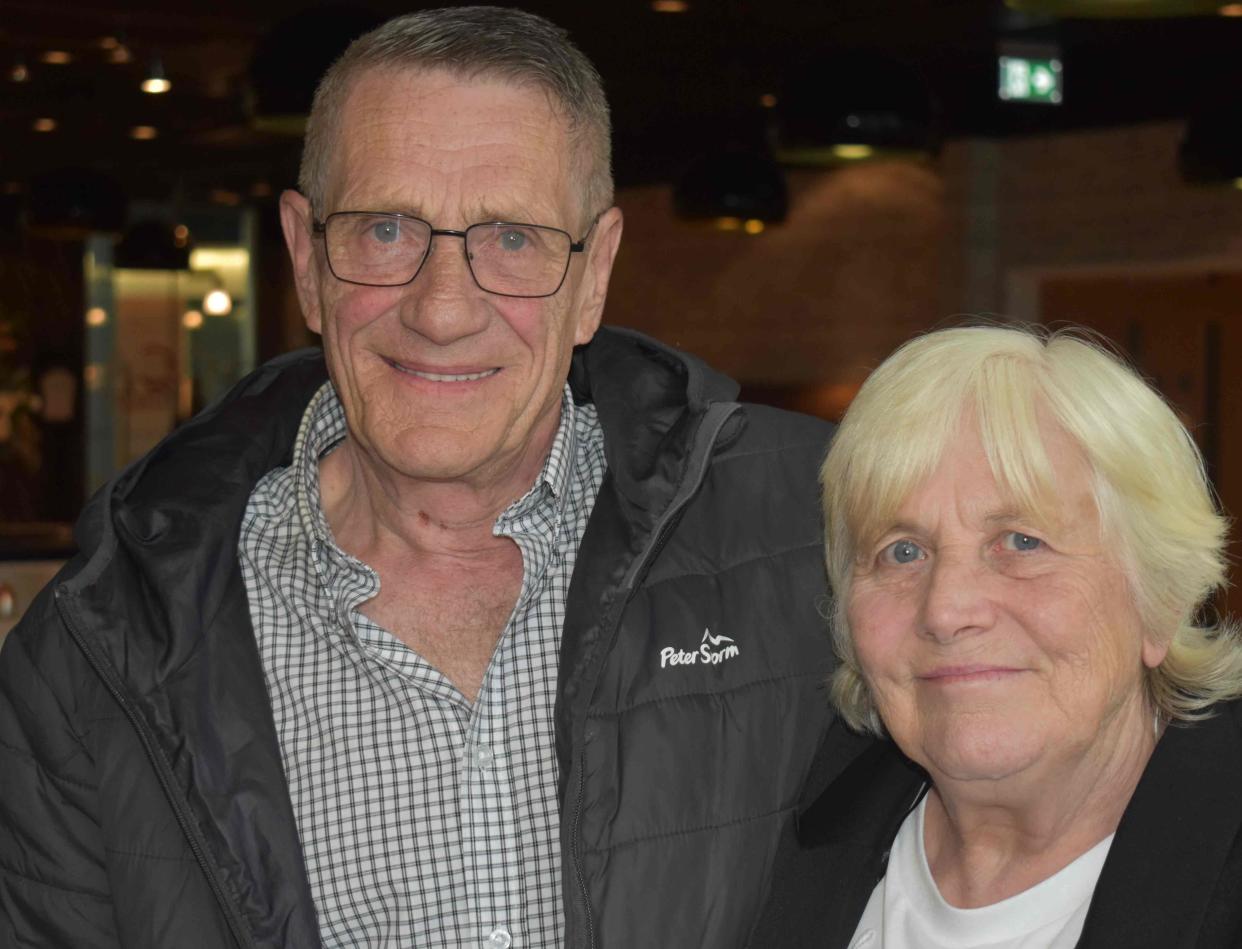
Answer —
(491, 156)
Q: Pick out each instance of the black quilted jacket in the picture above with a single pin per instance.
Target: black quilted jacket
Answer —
(142, 799)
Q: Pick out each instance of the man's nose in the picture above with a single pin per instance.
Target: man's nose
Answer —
(443, 303)
(958, 598)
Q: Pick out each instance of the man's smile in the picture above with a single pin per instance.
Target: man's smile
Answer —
(430, 376)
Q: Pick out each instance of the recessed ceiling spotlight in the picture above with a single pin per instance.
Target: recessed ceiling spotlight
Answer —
(1231, 9)
(107, 42)
(670, 6)
(144, 133)
(156, 81)
(120, 55)
(18, 72)
(44, 125)
(767, 100)
(56, 57)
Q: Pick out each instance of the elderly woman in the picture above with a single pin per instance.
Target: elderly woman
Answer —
(1021, 537)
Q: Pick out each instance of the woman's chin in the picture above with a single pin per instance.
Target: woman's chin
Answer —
(971, 752)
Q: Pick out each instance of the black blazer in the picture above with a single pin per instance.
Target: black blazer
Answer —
(1172, 880)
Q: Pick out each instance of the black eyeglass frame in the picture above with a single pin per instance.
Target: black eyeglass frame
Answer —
(320, 228)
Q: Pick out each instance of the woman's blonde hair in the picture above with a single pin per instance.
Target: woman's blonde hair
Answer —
(1149, 484)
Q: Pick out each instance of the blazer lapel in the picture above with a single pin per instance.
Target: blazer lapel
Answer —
(1172, 841)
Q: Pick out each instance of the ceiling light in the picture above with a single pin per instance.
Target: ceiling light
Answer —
(670, 6)
(18, 72)
(1231, 9)
(56, 57)
(219, 258)
(96, 316)
(851, 152)
(144, 133)
(120, 55)
(218, 302)
(108, 42)
(767, 100)
(156, 81)
(44, 125)
(192, 319)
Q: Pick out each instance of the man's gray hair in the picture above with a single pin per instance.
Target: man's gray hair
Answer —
(473, 42)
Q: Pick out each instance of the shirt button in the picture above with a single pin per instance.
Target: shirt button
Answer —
(483, 758)
(499, 939)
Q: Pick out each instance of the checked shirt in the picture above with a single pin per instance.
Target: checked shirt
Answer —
(424, 820)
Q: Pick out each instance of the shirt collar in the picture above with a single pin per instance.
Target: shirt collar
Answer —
(324, 427)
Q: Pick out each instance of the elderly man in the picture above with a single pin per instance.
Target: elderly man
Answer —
(501, 630)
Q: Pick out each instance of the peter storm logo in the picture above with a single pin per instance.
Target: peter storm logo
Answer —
(712, 651)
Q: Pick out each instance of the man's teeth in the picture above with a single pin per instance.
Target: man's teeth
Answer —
(450, 376)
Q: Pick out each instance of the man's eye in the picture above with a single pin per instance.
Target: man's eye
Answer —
(513, 240)
(1016, 540)
(386, 232)
(902, 551)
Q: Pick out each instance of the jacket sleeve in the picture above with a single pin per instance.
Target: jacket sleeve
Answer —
(53, 878)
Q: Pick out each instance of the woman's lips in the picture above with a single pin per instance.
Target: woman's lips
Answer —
(948, 675)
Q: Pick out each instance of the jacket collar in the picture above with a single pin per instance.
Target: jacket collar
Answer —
(648, 397)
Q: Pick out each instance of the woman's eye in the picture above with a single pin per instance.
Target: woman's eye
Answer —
(902, 551)
(1016, 540)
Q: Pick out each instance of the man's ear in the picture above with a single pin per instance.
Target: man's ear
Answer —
(295, 220)
(601, 253)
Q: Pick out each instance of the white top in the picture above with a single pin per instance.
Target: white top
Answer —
(906, 910)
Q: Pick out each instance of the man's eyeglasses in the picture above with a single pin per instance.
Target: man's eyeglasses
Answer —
(389, 250)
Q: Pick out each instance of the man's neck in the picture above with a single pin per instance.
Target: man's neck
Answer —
(376, 513)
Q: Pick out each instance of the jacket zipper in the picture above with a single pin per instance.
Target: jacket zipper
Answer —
(709, 429)
(163, 773)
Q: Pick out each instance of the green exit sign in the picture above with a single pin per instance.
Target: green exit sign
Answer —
(1030, 79)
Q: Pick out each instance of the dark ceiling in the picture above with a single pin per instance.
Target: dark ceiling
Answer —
(681, 84)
